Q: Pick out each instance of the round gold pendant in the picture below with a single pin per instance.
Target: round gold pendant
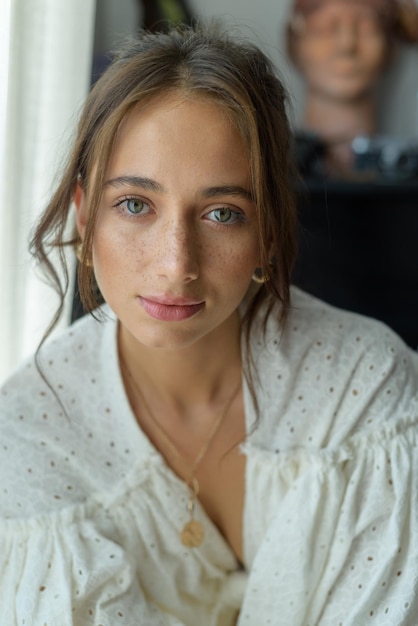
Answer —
(193, 534)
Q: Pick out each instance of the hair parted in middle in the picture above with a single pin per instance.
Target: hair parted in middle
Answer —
(198, 62)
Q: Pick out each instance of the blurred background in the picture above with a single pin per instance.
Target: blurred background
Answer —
(359, 238)
(265, 21)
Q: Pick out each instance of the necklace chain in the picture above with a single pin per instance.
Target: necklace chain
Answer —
(192, 534)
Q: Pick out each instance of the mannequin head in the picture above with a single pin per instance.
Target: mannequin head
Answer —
(323, 35)
(341, 46)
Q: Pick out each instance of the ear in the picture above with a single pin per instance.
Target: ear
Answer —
(81, 211)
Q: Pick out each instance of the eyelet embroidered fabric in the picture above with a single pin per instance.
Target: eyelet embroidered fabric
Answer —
(90, 514)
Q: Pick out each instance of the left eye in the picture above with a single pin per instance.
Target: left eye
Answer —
(224, 215)
(134, 206)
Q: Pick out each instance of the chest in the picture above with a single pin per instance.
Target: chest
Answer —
(222, 493)
(220, 474)
(220, 478)
(208, 456)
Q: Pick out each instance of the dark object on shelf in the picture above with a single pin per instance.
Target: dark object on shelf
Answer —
(359, 249)
(374, 158)
(389, 157)
(309, 152)
(159, 15)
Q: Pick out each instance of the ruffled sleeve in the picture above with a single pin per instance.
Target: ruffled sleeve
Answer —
(65, 570)
(332, 527)
(90, 515)
(342, 546)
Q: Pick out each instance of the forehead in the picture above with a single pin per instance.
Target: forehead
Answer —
(179, 116)
(182, 136)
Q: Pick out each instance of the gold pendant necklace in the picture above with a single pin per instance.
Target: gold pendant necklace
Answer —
(193, 533)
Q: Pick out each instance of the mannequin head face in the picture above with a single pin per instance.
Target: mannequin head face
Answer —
(340, 46)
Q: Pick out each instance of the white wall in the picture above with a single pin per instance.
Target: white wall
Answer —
(264, 21)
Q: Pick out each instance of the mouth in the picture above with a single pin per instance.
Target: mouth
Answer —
(170, 309)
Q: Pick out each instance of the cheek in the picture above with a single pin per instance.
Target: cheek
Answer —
(106, 247)
(114, 258)
(237, 266)
(113, 244)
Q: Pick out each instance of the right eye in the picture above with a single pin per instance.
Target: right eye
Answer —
(133, 206)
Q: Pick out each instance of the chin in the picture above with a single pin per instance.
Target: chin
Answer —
(170, 340)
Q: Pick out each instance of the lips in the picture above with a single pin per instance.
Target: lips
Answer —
(170, 309)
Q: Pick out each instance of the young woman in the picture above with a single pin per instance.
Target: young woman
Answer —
(209, 446)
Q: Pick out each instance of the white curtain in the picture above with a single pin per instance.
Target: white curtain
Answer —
(45, 65)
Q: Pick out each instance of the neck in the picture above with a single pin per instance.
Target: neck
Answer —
(188, 379)
(338, 123)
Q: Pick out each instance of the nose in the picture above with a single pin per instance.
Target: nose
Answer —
(178, 251)
(346, 36)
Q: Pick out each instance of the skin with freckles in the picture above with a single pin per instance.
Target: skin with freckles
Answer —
(175, 246)
(176, 241)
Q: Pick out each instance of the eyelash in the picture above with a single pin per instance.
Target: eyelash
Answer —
(124, 212)
(238, 216)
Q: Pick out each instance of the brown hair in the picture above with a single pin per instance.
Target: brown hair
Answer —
(208, 63)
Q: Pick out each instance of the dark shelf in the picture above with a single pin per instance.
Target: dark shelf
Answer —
(359, 248)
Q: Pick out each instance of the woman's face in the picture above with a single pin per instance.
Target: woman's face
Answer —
(176, 239)
(341, 49)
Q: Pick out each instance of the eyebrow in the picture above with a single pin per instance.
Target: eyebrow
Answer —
(135, 181)
(227, 190)
(151, 185)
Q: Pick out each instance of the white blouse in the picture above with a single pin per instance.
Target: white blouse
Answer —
(90, 514)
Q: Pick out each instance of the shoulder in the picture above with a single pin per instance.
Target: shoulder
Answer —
(336, 438)
(333, 335)
(316, 317)
(332, 372)
(339, 335)
(61, 361)
(50, 409)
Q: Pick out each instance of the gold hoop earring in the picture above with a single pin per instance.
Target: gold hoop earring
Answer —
(79, 250)
(258, 277)
(79, 255)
